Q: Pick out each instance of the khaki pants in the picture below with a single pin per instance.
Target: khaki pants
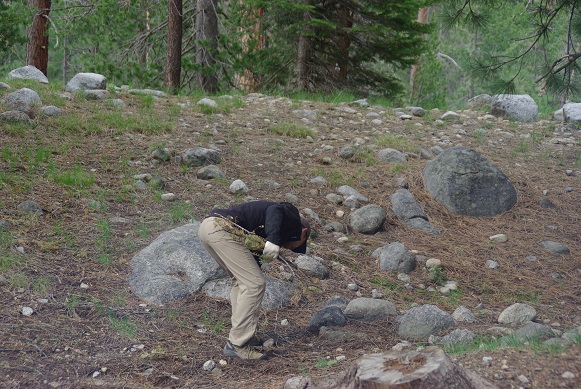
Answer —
(248, 283)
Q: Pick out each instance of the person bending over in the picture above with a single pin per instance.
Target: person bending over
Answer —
(239, 238)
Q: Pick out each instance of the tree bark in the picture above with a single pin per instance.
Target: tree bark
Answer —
(207, 42)
(343, 43)
(173, 59)
(422, 17)
(37, 47)
(303, 55)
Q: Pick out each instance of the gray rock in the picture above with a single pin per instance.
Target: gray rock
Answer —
(351, 202)
(30, 206)
(417, 111)
(28, 72)
(421, 322)
(238, 187)
(368, 219)
(467, 184)
(14, 117)
(391, 155)
(312, 267)
(480, 101)
(208, 103)
(517, 313)
(334, 198)
(369, 310)
(396, 257)
(147, 92)
(209, 172)
(96, 94)
(347, 152)
(463, 314)
(319, 180)
(172, 267)
(554, 247)
(4, 86)
(572, 112)
(451, 116)
(161, 154)
(200, 156)
(533, 330)
(50, 110)
(23, 97)
(277, 294)
(521, 108)
(458, 336)
(328, 316)
(347, 191)
(337, 301)
(117, 103)
(86, 81)
(406, 208)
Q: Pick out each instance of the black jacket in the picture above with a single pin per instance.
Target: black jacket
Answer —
(277, 222)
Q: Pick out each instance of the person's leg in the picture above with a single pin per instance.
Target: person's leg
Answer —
(248, 284)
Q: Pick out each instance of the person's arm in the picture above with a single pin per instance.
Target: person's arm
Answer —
(273, 229)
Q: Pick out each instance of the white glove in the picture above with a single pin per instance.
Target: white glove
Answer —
(271, 250)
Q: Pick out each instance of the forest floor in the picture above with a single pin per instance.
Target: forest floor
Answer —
(71, 265)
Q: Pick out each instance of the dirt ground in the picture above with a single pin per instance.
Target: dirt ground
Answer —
(71, 265)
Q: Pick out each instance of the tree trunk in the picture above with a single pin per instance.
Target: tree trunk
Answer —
(427, 369)
(173, 59)
(37, 47)
(422, 17)
(207, 42)
(343, 43)
(303, 55)
(249, 81)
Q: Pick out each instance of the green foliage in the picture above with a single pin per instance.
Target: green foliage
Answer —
(13, 17)
(322, 362)
(437, 275)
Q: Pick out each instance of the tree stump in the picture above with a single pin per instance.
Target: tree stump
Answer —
(426, 369)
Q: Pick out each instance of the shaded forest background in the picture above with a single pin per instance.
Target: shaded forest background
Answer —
(436, 54)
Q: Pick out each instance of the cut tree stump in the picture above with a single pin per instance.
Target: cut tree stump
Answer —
(426, 369)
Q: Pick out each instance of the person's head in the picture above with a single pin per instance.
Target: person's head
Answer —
(300, 246)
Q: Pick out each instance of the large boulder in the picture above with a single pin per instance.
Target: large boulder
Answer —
(28, 72)
(277, 294)
(467, 184)
(172, 267)
(86, 81)
(521, 108)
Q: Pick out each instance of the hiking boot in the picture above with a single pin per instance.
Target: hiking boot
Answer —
(255, 341)
(245, 352)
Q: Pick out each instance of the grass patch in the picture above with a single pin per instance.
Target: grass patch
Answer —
(223, 105)
(398, 142)
(216, 325)
(292, 130)
(322, 363)
(76, 178)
